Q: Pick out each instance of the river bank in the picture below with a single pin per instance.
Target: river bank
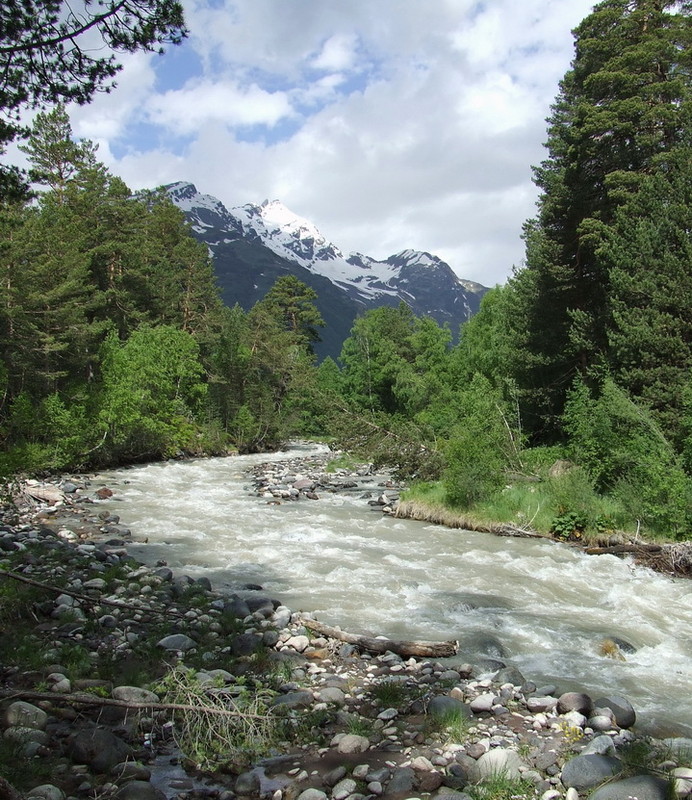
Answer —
(351, 724)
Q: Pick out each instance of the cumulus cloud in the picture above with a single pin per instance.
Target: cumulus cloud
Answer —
(388, 124)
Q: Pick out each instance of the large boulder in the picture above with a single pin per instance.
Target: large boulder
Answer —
(643, 787)
(585, 772)
(99, 748)
(624, 713)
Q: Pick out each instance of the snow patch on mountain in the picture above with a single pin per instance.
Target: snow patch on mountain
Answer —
(298, 240)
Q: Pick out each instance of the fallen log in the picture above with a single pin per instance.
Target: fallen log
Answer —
(379, 646)
(617, 549)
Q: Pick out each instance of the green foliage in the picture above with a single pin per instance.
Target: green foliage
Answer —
(623, 450)
(152, 390)
(229, 727)
(481, 447)
(49, 55)
(622, 108)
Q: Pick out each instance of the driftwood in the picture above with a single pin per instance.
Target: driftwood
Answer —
(617, 549)
(378, 646)
(46, 493)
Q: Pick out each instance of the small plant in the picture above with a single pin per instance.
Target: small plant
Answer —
(391, 694)
(569, 526)
(360, 726)
(451, 726)
(500, 786)
(571, 735)
(229, 727)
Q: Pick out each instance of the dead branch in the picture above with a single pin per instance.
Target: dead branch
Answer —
(92, 700)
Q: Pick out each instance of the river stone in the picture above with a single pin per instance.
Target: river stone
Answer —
(643, 787)
(622, 709)
(177, 641)
(46, 791)
(601, 722)
(312, 794)
(510, 675)
(21, 735)
(25, 715)
(539, 704)
(343, 789)
(352, 743)
(484, 702)
(261, 603)
(429, 782)
(131, 771)
(300, 699)
(139, 790)
(98, 748)
(585, 772)
(133, 694)
(401, 781)
(247, 783)
(600, 745)
(332, 777)
(299, 643)
(246, 644)
(575, 701)
(466, 768)
(443, 706)
(500, 761)
(331, 694)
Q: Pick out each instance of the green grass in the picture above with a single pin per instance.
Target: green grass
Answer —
(501, 787)
(343, 461)
(451, 728)
(566, 507)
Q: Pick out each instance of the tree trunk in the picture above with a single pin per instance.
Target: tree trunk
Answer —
(378, 646)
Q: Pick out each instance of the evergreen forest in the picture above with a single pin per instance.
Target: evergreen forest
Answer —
(566, 406)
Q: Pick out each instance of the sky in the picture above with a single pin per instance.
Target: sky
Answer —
(390, 124)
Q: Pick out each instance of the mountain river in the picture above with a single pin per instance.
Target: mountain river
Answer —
(544, 606)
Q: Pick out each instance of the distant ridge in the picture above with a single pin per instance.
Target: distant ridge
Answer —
(253, 245)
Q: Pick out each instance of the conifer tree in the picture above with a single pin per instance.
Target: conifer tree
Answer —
(624, 104)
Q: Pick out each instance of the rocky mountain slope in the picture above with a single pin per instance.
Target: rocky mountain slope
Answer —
(253, 245)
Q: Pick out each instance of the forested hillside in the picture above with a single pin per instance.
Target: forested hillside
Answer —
(566, 406)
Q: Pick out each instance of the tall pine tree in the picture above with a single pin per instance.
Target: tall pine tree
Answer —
(622, 106)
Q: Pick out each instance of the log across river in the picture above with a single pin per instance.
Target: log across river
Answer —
(543, 607)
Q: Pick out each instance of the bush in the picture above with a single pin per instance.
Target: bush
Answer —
(480, 449)
(624, 452)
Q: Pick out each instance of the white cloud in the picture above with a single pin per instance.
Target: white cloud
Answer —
(338, 53)
(388, 124)
(187, 110)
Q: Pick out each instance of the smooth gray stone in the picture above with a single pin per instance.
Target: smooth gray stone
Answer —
(643, 787)
(177, 641)
(442, 705)
(625, 715)
(585, 772)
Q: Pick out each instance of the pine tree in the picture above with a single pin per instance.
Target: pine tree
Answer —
(648, 252)
(622, 106)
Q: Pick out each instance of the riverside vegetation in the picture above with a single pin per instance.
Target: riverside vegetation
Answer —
(116, 348)
(132, 682)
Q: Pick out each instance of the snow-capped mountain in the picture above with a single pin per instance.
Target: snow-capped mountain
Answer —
(253, 245)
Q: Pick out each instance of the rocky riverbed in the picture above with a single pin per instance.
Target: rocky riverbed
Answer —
(120, 680)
